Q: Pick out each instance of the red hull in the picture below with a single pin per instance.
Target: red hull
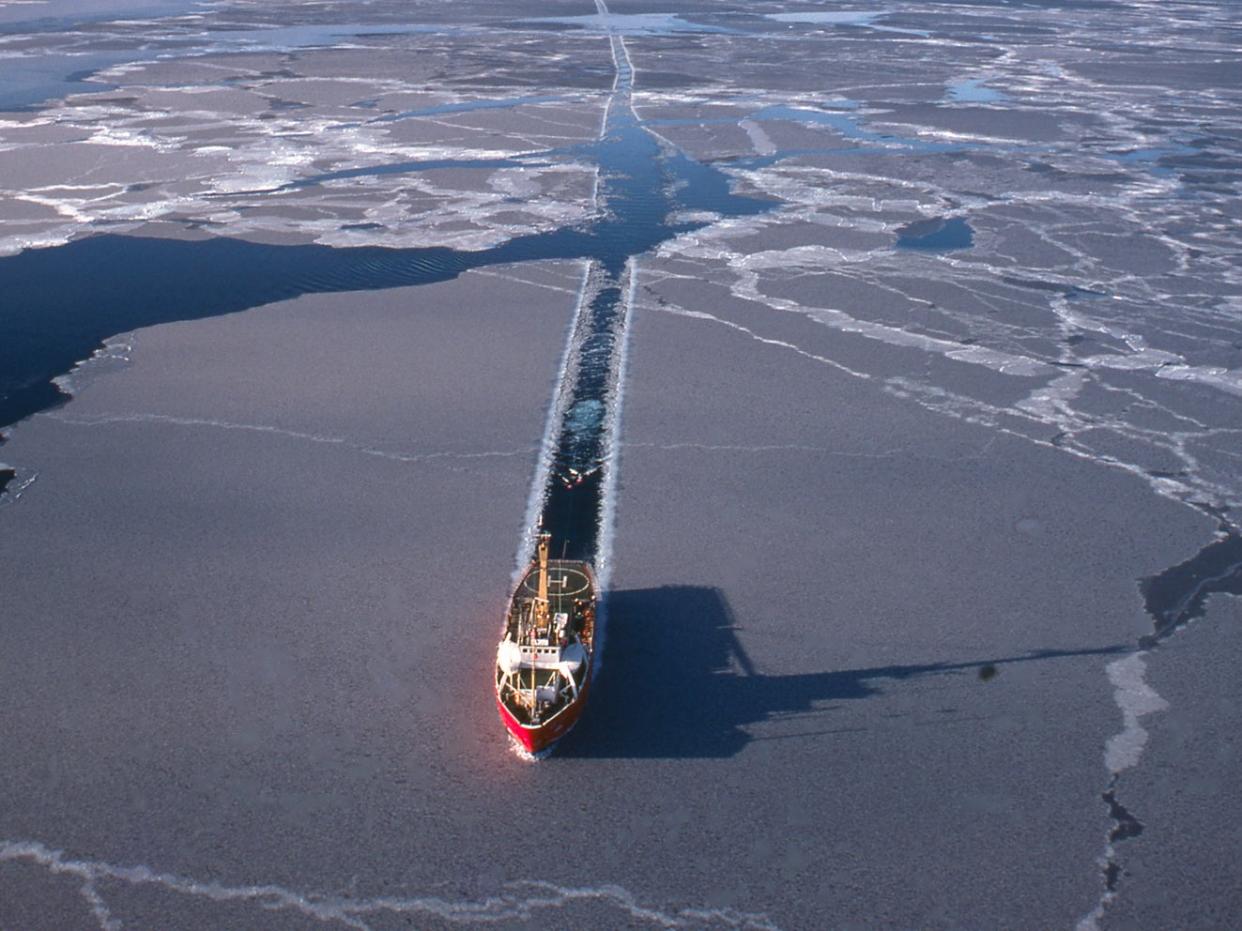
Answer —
(536, 739)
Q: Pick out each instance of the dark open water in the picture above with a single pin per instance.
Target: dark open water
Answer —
(60, 304)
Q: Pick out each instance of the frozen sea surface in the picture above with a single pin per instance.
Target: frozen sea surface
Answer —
(923, 560)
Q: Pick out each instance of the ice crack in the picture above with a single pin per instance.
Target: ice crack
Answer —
(325, 439)
(1173, 598)
(1136, 699)
(520, 901)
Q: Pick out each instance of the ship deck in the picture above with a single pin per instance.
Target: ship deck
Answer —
(543, 662)
(568, 581)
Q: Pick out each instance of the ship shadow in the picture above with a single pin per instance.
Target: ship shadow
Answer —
(676, 682)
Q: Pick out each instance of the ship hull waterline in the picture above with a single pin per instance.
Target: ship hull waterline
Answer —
(540, 737)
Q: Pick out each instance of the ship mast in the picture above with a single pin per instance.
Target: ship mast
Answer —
(540, 616)
(544, 538)
(530, 646)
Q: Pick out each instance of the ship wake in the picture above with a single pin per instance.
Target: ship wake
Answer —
(574, 488)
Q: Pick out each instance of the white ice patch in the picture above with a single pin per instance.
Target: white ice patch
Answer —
(527, 756)
(1136, 699)
(841, 18)
(183, 161)
(1228, 380)
(117, 136)
(706, 217)
(861, 18)
(22, 480)
(113, 354)
(760, 140)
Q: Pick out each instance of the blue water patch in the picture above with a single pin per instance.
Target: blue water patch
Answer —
(939, 233)
(848, 126)
(1155, 159)
(1152, 154)
(843, 123)
(974, 91)
(26, 82)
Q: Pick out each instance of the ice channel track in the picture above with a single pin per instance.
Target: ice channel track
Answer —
(574, 487)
